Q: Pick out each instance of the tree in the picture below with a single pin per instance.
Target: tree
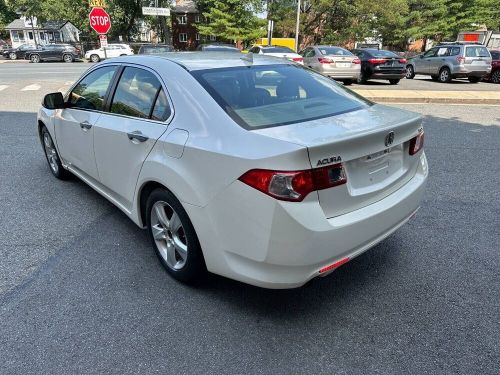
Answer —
(231, 19)
(6, 17)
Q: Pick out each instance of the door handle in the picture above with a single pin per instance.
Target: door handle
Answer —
(85, 125)
(137, 135)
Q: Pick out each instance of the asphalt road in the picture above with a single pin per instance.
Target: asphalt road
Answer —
(81, 290)
(12, 72)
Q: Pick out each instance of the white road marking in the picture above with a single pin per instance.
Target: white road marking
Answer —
(33, 87)
(3, 87)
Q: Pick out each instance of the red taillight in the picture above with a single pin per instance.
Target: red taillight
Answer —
(460, 59)
(376, 61)
(295, 185)
(324, 60)
(298, 59)
(337, 264)
(403, 61)
(356, 61)
(417, 143)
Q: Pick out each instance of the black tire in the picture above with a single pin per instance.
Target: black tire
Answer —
(95, 58)
(495, 77)
(444, 75)
(473, 79)
(394, 81)
(347, 82)
(193, 268)
(362, 78)
(410, 72)
(35, 58)
(53, 158)
(67, 58)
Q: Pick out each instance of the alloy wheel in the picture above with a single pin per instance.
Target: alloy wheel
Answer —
(444, 76)
(68, 58)
(35, 58)
(50, 152)
(496, 77)
(12, 56)
(94, 58)
(169, 236)
(409, 72)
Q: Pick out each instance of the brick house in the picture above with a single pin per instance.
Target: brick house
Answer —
(185, 16)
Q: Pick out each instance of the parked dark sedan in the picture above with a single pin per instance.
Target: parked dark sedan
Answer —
(380, 64)
(494, 76)
(18, 52)
(53, 52)
(154, 49)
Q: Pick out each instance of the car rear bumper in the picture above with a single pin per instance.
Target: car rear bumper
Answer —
(388, 75)
(248, 236)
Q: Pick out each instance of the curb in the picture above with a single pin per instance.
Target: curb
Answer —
(19, 61)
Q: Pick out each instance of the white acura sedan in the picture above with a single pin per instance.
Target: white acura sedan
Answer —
(254, 168)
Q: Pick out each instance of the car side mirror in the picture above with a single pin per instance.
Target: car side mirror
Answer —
(54, 100)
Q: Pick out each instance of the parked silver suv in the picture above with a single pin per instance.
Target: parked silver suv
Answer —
(454, 60)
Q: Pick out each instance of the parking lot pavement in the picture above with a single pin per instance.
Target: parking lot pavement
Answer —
(81, 290)
(425, 83)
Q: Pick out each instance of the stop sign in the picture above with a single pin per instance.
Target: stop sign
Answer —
(99, 20)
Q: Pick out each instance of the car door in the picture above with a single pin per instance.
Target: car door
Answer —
(422, 63)
(439, 60)
(124, 136)
(74, 126)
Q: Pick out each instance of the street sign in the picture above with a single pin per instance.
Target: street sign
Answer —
(100, 20)
(151, 11)
(97, 3)
(103, 39)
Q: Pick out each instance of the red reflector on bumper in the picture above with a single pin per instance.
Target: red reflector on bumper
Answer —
(334, 265)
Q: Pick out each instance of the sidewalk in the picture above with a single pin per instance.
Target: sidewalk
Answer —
(421, 96)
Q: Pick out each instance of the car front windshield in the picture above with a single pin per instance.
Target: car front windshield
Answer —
(273, 95)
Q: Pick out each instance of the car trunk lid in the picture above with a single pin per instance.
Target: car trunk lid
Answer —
(373, 146)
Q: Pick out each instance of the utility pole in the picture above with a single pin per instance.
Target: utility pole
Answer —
(297, 26)
(270, 23)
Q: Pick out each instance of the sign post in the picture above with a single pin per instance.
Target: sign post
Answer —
(100, 21)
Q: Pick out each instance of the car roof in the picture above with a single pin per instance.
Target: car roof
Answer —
(207, 60)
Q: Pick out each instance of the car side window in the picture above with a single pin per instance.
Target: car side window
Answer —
(89, 93)
(137, 95)
(310, 53)
(161, 110)
(431, 52)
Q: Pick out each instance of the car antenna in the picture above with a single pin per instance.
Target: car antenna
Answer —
(248, 57)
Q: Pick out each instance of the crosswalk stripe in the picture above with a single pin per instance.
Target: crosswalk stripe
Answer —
(33, 87)
(3, 87)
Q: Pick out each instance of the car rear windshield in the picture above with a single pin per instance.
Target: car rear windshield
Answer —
(334, 51)
(273, 95)
(150, 50)
(476, 51)
(382, 53)
(277, 50)
(221, 49)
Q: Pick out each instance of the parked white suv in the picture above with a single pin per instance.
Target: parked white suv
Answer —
(112, 50)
